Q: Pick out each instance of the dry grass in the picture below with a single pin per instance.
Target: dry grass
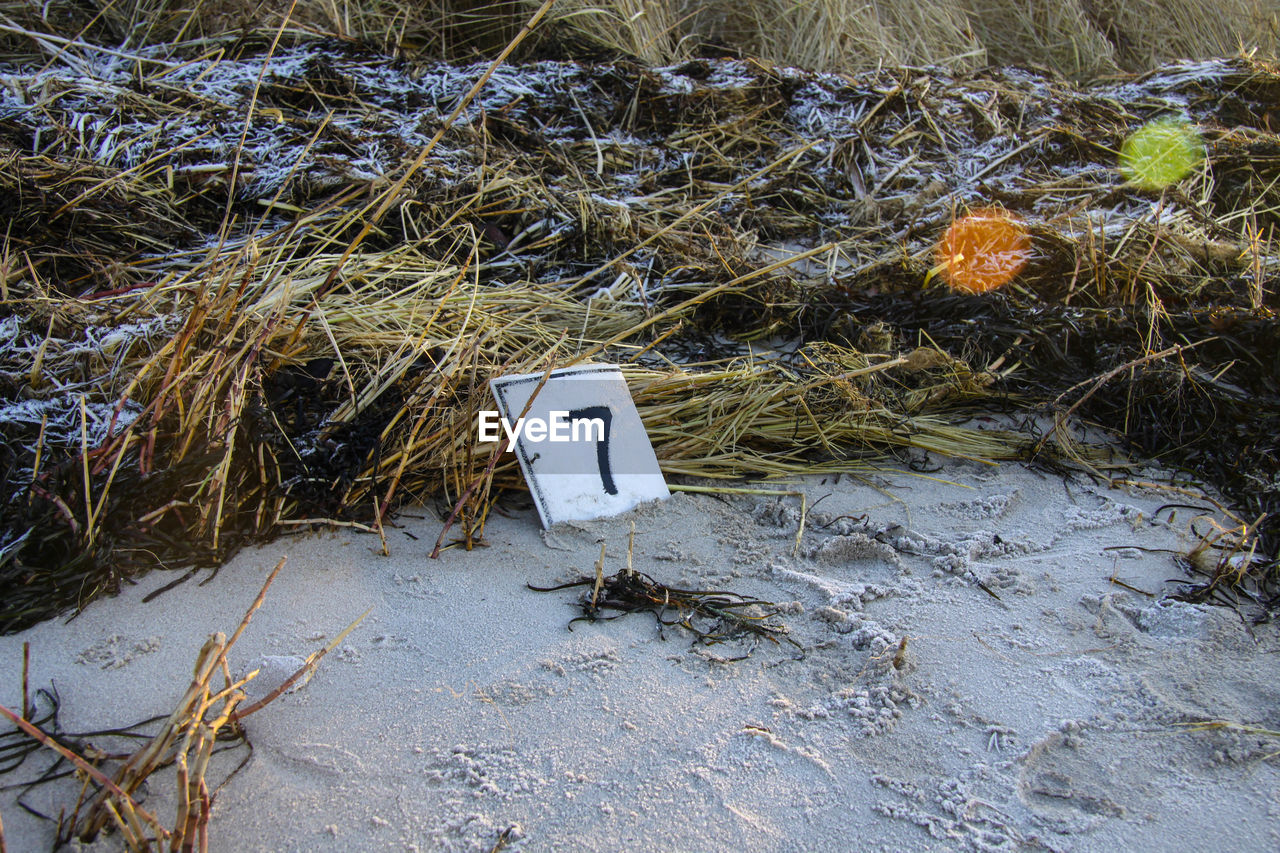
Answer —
(1057, 35)
(1078, 38)
(834, 35)
(652, 32)
(186, 740)
(293, 315)
(1146, 32)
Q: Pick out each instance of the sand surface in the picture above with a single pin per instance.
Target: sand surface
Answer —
(462, 710)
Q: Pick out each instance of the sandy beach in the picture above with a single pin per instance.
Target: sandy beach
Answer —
(267, 270)
(1046, 711)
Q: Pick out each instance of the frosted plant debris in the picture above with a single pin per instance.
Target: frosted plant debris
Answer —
(587, 202)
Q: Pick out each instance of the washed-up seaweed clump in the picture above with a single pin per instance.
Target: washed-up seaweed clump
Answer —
(247, 289)
(712, 616)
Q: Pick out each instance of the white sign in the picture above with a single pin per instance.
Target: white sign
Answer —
(581, 445)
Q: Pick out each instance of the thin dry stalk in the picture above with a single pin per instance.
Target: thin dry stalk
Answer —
(303, 672)
(393, 194)
(186, 739)
(89, 770)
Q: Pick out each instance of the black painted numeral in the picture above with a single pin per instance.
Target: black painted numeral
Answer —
(605, 414)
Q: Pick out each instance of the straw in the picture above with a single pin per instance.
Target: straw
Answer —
(752, 242)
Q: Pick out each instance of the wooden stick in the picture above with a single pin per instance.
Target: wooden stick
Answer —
(84, 464)
(631, 544)
(253, 608)
(595, 592)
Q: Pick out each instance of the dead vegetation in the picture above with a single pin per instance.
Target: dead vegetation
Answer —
(255, 277)
(711, 616)
(205, 723)
(1078, 38)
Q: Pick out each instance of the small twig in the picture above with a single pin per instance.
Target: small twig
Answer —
(37, 366)
(377, 523)
(312, 662)
(1115, 580)
(504, 838)
(63, 509)
(982, 586)
(84, 464)
(332, 522)
(253, 608)
(202, 828)
(35, 466)
(595, 592)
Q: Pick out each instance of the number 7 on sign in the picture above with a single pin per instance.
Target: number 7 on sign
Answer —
(556, 455)
(605, 415)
